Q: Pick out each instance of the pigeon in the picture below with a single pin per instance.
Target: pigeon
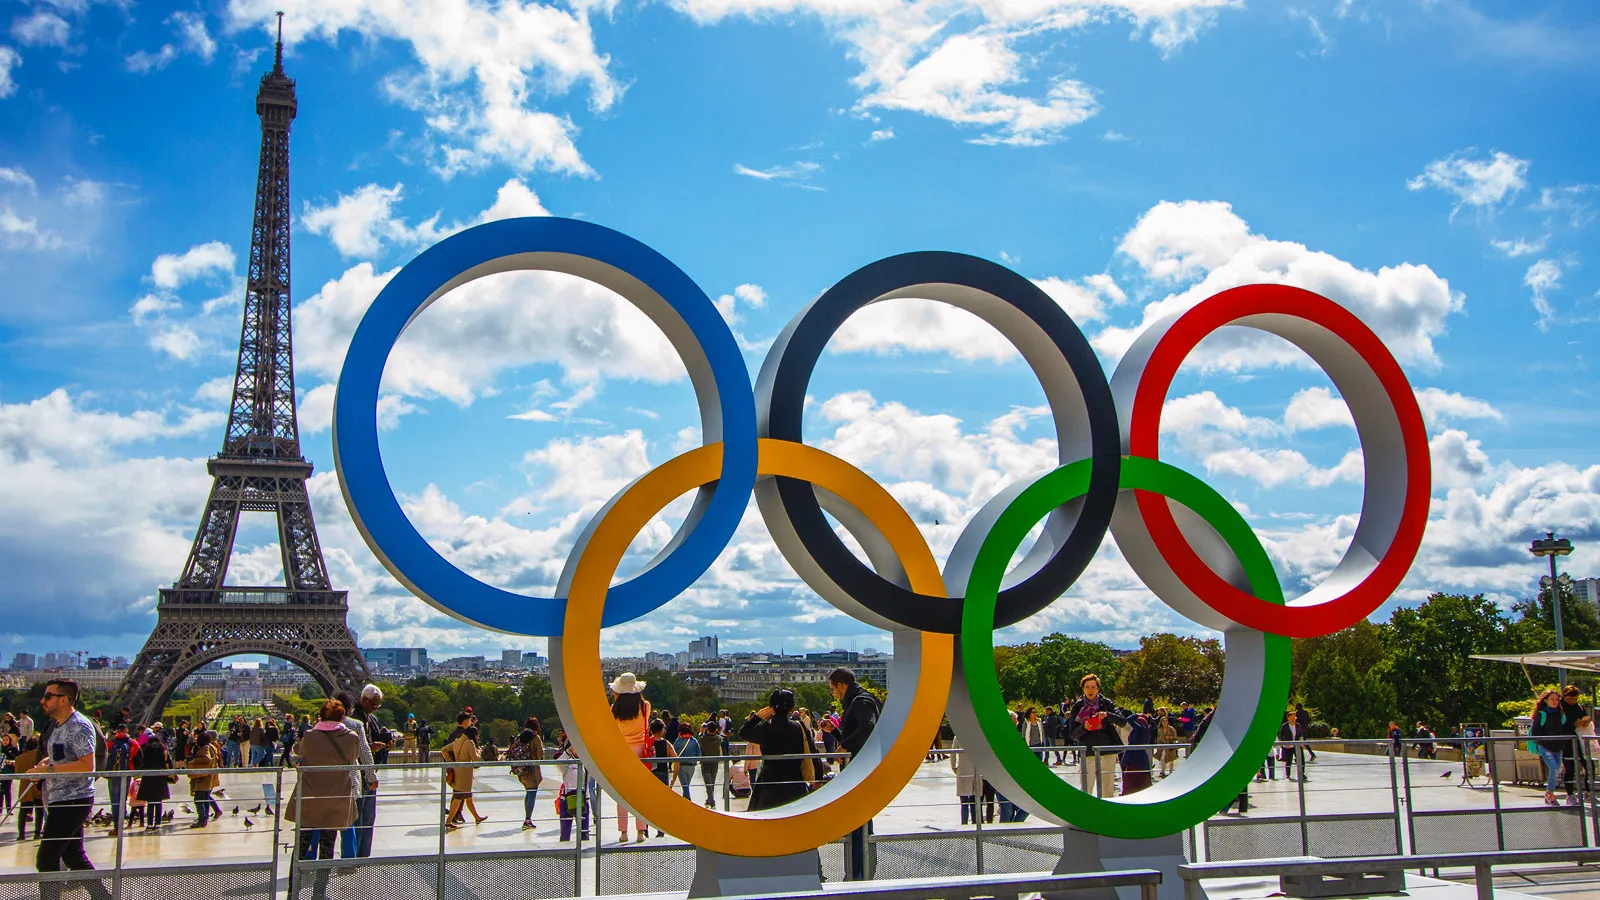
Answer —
(236, 810)
(248, 823)
(168, 816)
(1445, 775)
(187, 811)
(255, 809)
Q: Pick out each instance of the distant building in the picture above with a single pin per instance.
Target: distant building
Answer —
(703, 649)
(836, 657)
(465, 663)
(397, 660)
(244, 685)
(511, 659)
(532, 660)
(654, 660)
(1586, 589)
(24, 661)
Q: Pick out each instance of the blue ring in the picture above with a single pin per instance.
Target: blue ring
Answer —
(371, 499)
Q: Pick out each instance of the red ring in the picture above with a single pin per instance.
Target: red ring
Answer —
(1144, 439)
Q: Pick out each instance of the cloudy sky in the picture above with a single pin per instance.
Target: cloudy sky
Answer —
(1430, 165)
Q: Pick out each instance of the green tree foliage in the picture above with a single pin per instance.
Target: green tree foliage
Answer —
(1183, 669)
(1049, 671)
(1362, 645)
(312, 691)
(664, 690)
(1434, 677)
(1360, 702)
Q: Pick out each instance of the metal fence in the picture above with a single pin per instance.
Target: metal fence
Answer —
(1384, 803)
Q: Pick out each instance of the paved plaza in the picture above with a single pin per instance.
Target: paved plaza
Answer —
(408, 821)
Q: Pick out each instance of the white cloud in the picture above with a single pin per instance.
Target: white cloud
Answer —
(1275, 468)
(192, 31)
(590, 469)
(480, 69)
(144, 61)
(173, 270)
(795, 175)
(960, 81)
(83, 192)
(1114, 137)
(1208, 244)
(1519, 247)
(25, 232)
(42, 29)
(921, 326)
(750, 295)
(1481, 183)
(360, 223)
(177, 341)
(926, 326)
(56, 425)
(1314, 408)
(960, 61)
(17, 178)
(1543, 277)
(9, 60)
(1441, 406)
(1085, 301)
(881, 134)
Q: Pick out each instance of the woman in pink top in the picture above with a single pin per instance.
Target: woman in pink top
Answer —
(632, 713)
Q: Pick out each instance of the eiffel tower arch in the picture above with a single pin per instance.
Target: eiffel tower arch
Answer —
(260, 469)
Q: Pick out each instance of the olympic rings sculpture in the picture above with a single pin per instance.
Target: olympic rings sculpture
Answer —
(1188, 544)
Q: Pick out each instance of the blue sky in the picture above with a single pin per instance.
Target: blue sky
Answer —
(1430, 165)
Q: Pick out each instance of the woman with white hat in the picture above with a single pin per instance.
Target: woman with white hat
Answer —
(632, 713)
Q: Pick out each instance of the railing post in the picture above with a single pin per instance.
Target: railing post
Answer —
(1305, 831)
(1411, 811)
(1394, 794)
(578, 818)
(444, 821)
(1483, 880)
(294, 858)
(277, 819)
(1581, 777)
(977, 819)
(122, 829)
(1490, 749)
(599, 832)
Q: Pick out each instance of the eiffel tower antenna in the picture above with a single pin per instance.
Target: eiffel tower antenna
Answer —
(260, 469)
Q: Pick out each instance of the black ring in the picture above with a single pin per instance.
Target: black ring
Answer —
(783, 406)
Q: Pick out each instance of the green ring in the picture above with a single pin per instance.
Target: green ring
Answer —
(1127, 818)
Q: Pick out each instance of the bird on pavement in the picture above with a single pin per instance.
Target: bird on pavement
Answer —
(255, 809)
(236, 810)
(1445, 775)
(186, 810)
(248, 823)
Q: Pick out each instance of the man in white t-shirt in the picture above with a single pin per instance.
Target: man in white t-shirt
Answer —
(68, 755)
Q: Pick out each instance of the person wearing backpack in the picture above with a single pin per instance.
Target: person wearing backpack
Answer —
(632, 713)
(528, 746)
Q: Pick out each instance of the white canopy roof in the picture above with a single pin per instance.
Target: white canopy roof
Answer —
(1576, 660)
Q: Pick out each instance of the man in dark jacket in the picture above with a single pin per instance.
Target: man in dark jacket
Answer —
(858, 715)
(1572, 710)
(858, 710)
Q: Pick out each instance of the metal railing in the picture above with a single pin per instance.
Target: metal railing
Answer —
(1481, 864)
(1310, 819)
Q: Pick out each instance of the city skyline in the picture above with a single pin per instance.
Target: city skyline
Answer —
(1126, 178)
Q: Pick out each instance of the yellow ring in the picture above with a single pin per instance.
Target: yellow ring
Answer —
(858, 793)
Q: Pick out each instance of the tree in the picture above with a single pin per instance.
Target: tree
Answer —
(312, 691)
(665, 690)
(812, 695)
(1049, 671)
(1181, 669)
(1359, 702)
(1434, 677)
(1362, 645)
(539, 700)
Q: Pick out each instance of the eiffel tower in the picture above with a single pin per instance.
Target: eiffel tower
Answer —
(260, 469)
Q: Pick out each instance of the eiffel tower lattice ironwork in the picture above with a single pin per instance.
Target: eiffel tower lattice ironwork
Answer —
(260, 469)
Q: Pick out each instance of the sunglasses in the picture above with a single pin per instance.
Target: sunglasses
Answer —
(48, 695)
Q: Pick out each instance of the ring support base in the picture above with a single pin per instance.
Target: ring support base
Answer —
(1087, 852)
(720, 875)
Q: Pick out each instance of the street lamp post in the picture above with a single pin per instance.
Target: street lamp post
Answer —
(1553, 547)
